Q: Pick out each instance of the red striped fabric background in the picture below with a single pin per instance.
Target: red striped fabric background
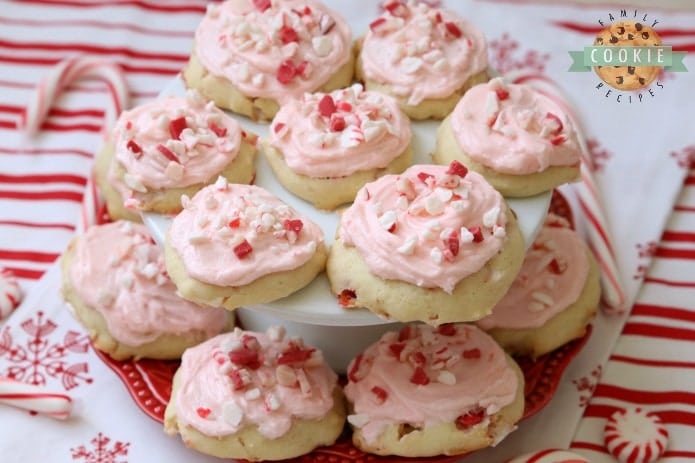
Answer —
(652, 352)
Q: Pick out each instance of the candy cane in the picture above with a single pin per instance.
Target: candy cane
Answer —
(66, 72)
(35, 399)
(599, 238)
(10, 293)
(52, 84)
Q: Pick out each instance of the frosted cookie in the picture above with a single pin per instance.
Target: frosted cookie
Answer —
(436, 244)
(425, 57)
(632, 34)
(10, 293)
(550, 456)
(325, 147)
(235, 245)
(170, 147)
(252, 56)
(428, 391)
(553, 298)
(255, 396)
(634, 435)
(520, 140)
(115, 282)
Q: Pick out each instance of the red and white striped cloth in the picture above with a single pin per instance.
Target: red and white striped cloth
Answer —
(641, 153)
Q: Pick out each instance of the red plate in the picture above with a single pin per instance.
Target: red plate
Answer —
(149, 383)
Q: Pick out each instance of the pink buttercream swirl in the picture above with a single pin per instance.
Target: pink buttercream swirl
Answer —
(431, 226)
(231, 234)
(514, 129)
(336, 134)
(426, 376)
(119, 271)
(172, 142)
(551, 279)
(276, 49)
(243, 378)
(422, 52)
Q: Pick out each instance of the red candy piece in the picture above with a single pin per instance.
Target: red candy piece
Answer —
(134, 147)
(398, 9)
(287, 35)
(423, 176)
(219, 131)
(557, 121)
(477, 234)
(471, 418)
(327, 106)
(203, 412)
(471, 353)
(447, 329)
(237, 380)
(405, 333)
(452, 242)
(337, 123)
(353, 374)
(453, 29)
(557, 140)
(396, 348)
(234, 223)
(502, 94)
(170, 155)
(555, 267)
(381, 394)
(456, 168)
(346, 297)
(262, 4)
(294, 354)
(294, 225)
(243, 249)
(419, 377)
(278, 127)
(377, 24)
(286, 72)
(176, 126)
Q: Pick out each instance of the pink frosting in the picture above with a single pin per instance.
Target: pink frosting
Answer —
(431, 226)
(160, 150)
(243, 378)
(551, 279)
(427, 376)
(513, 129)
(119, 271)
(231, 235)
(340, 133)
(279, 49)
(422, 52)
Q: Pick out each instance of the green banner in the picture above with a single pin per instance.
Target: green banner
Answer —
(663, 56)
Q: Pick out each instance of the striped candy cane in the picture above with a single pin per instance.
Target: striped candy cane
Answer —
(35, 399)
(599, 238)
(52, 84)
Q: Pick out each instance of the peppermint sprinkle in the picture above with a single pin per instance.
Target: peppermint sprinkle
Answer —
(436, 255)
(252, 394)
(322, 45)
(358, 420)
(466, 235)
(134, 183)
(411, 64)
(408, 246)
(221, 183)
(542, 298)
(446, 377)
(491, 104)
(388, 220)
(434, 205)
(231, 413)
(490, 217)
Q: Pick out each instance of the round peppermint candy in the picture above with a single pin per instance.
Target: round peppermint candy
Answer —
(549, 456)
(634, 435)
(10, 293)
